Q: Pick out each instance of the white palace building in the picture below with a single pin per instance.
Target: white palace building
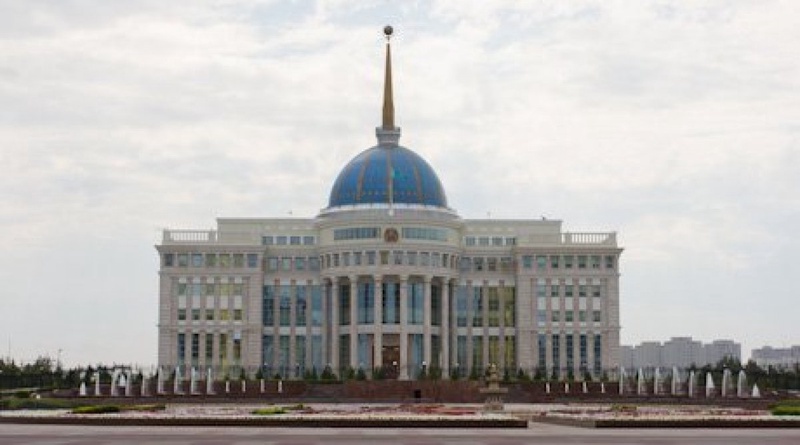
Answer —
(388, 278)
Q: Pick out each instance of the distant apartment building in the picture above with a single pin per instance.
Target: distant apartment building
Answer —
(777, 357)
(682, 352)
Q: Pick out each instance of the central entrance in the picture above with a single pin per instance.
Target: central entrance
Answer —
(391, 356)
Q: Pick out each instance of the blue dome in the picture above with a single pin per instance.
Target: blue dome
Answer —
(366, 179)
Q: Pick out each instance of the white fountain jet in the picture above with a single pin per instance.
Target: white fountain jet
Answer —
(209, 381)
(691, 383)
(709, 385)
(657, 381)
(741, 385)
(621, 380)
(674, 385)
(726, 382)
(640, 383)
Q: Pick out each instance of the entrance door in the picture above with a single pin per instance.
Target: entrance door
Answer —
(391, 356)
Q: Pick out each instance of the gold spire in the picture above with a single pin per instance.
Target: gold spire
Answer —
(388, 100)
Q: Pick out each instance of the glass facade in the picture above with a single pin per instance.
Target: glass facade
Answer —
(390, 305)
(416, 303)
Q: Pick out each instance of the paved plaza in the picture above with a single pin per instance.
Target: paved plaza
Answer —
(536, 434)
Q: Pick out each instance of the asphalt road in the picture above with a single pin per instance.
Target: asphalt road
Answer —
(537, 434)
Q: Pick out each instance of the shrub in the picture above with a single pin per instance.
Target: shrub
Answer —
(46, 403)
(23, 394)
(269, 411)
(297, 407)
(144, 408)
(96, 409)
(786, 410)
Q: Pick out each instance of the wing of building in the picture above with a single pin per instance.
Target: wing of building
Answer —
(388, 277)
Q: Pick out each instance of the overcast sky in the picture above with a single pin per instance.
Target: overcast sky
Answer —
(675, 124)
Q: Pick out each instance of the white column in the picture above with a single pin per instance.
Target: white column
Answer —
(426, 321)
(377, 341)
(403, 328)
(333, 354)
(354, 321)
(444, 330)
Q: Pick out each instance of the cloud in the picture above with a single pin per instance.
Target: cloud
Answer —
(674, 123)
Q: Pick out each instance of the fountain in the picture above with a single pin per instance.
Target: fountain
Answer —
(227, 386)
(602, 387)
(547, 387)
(494, 393)
(82, 390)
(263, 386)
(674, 387)
(129, 385)
(691, 383)
(726, 382)
(741, 385)
(97, 383)
(709, 385)
(621, 380)
(209, 381)
(657, 381)
(756, 394)
(160, 381)
(193, 382)
(585, 387)
(177, 383)
(640, 383)
(244, 386)
(143, 390)
(114, 377)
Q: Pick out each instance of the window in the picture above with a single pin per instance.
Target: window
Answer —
(497, 240)
(541, 290)
(365, 300)
(596, 291)
(494, 307)
(181, 314)
(461, 306)
(568, 259)
(252, 260)
(595, 259)
(169, 259)
(398, 257)
(477, 306)
(464, 264)
(541, 262)
(183, 259)
(266, 240)
(238, 260)
(211, 289)
(224, 260)
(237, 315)
(569, 290)
(356, 258)
(211, 260)
(280, 240)
(491, 264)
(581, 261)
(483, 241)
(511, 241)
(596, 316)
(470, 240)
(286, 264)
(209, 314)
(384, 257)
(527, 261)
(555, 290)
(346, 259)
(541, 316)
(301, 305)
(412, 258)
(506, 264)
(272, 263)
(313, 263)
(425, 233)
(556, 316)
(609, 262)
(582, 290)
(182, 289)
(569, 316)
(294, 240)
(478, 264)
(285, 305)
(415, 303)
(356, 233)
(582, 316)
(224, 314)
(308, 240)
(554, 260)
(300, 263)
(371, 258)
